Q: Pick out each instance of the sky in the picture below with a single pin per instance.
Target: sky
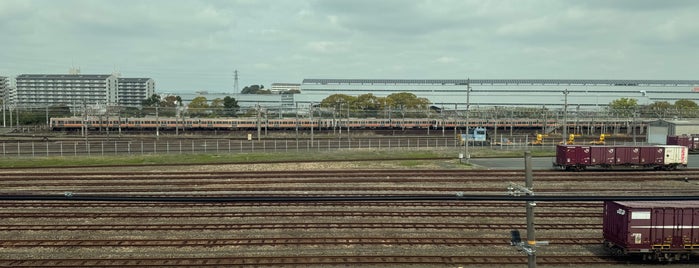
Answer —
(188, 46)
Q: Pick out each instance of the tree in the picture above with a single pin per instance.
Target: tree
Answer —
(198, 105)
(368, 103)
(171, 101)
(151, 101)
(624, 106)
(686, 105)
(216, 107)
(336, 100)
(230, 106)
(408, 100)
(255, 89)
(658, 108)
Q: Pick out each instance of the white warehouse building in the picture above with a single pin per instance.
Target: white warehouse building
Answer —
(508, 92)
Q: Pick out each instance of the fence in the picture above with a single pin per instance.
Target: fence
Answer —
(139, 147)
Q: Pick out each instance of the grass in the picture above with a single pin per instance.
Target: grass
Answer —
(408, 158)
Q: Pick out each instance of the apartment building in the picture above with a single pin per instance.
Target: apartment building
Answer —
(4, 89)
(134, 90)
(40, 90)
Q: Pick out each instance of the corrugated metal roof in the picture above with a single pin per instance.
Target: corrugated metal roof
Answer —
(503, 81)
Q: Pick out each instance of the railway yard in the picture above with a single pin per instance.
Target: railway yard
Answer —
(272, 233)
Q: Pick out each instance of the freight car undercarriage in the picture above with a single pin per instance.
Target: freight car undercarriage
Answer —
(618, 167)
(659, 253)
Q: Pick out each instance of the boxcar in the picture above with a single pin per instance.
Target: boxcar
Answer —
(580, 157)
(691, 141)
(655, 230)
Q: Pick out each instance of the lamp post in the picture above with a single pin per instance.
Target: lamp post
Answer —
(468, 110)
(311, 125)
(565, 116)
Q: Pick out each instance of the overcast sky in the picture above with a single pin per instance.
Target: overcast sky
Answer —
(196, 45)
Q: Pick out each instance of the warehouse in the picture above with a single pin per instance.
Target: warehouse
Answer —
(659, 130)
(552, 93)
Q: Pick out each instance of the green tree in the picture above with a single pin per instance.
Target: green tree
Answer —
(230, 105)
(216, 107)
(686, 105)
(151, 101)
(657, 109)
(198, 106)
(408, 100)
(369, 104)
(255, 89)
(171, 101)
(623, 106)
(409, 104)
(335, 101)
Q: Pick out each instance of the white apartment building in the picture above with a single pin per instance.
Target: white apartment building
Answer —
(39, 90)
(75, 90)
(4, 89)
(132, 91)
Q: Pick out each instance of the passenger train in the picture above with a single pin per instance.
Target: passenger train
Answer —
(96, 122)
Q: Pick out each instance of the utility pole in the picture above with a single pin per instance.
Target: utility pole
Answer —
(157, 121)
(259, 130)
(565, 116)
(529, 246)
(467, 155)
(311, 112)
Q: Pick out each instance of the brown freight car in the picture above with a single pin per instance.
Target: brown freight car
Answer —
(656, 230)
(581, 157)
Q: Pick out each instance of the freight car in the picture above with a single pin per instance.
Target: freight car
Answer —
(691, 141)
(580, 157)
(657, 231)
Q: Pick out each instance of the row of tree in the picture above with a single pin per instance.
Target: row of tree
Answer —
(199, 106)
(629, 107)
(408, 104)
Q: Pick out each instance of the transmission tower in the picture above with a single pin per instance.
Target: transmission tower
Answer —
(235, 82)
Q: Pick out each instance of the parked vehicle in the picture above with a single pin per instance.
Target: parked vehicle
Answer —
(663, 231)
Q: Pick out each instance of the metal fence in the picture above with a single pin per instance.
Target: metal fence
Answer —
(198, 146)
(83, 147)
(136, 147)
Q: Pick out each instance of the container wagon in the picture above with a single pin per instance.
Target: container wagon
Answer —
(691, 141)
(663, 231)
(581, 157)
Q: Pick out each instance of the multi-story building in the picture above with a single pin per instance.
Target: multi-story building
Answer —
(4, 89)
(66, 89)
(278, 88)
(132, 91)
(40, 90)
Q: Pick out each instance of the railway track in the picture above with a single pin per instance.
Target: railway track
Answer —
(301, 261)
(325, 213)
(343, 176)
(395, 233)
(276, 241)
(285, 226)
(423, 204)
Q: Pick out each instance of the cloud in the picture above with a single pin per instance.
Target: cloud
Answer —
(189, 44)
